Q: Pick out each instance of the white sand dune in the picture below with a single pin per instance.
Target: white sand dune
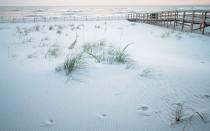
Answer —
(169, 69)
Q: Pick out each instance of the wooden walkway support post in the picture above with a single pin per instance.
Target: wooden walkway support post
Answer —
(204, 22)
(183, 20)
(175, 19)
(192, 23)
(164, 14)
(13, 20)
(201, 22)
(160, 20)
(167, 18)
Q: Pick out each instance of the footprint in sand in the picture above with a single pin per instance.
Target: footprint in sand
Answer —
(143, 108)
(101, 116)
(47, 123)
(144, 111)
(146, 73)
(206, 96)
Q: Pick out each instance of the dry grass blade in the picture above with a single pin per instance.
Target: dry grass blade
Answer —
(126, 46)
(201, 116)
(94, 56)
(179, 113)
(73, 43)
(184, 118)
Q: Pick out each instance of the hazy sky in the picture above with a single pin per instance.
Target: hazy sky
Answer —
(99, 2)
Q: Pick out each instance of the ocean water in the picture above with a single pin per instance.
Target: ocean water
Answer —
(40, 11)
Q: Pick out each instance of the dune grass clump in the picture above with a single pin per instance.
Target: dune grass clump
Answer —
(37, 28)
(121, 55)
(97, 26)
(59, 32)
(183, 116)
(51, 27)
(30, 56)
(180, 115)
(98, 50)
(72, 63)
(60, 27)
(106, 53)
(133, 24)
(53, 52)
(22, 31)
(18, 30)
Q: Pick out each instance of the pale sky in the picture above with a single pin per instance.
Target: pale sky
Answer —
(98, 2)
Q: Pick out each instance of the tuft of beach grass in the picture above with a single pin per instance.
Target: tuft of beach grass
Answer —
(103, 52)
(72, 63)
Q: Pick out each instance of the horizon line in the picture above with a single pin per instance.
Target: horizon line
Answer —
(105, 5)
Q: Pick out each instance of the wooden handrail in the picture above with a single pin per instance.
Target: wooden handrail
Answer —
(175, 18)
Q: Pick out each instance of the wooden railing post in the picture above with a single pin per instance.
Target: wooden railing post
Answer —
(167, 18)
(204, 22)
(141, 17)
(164, 17)
(192, 23)
(160, 17)
(201, 22)
(175, 19)
(137, 17)
(183, 20)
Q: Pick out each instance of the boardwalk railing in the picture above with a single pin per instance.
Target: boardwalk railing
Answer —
(12, 19)
(191, 20)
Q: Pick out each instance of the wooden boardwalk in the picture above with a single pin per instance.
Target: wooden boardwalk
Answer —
(191, 20)
(14, 19)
